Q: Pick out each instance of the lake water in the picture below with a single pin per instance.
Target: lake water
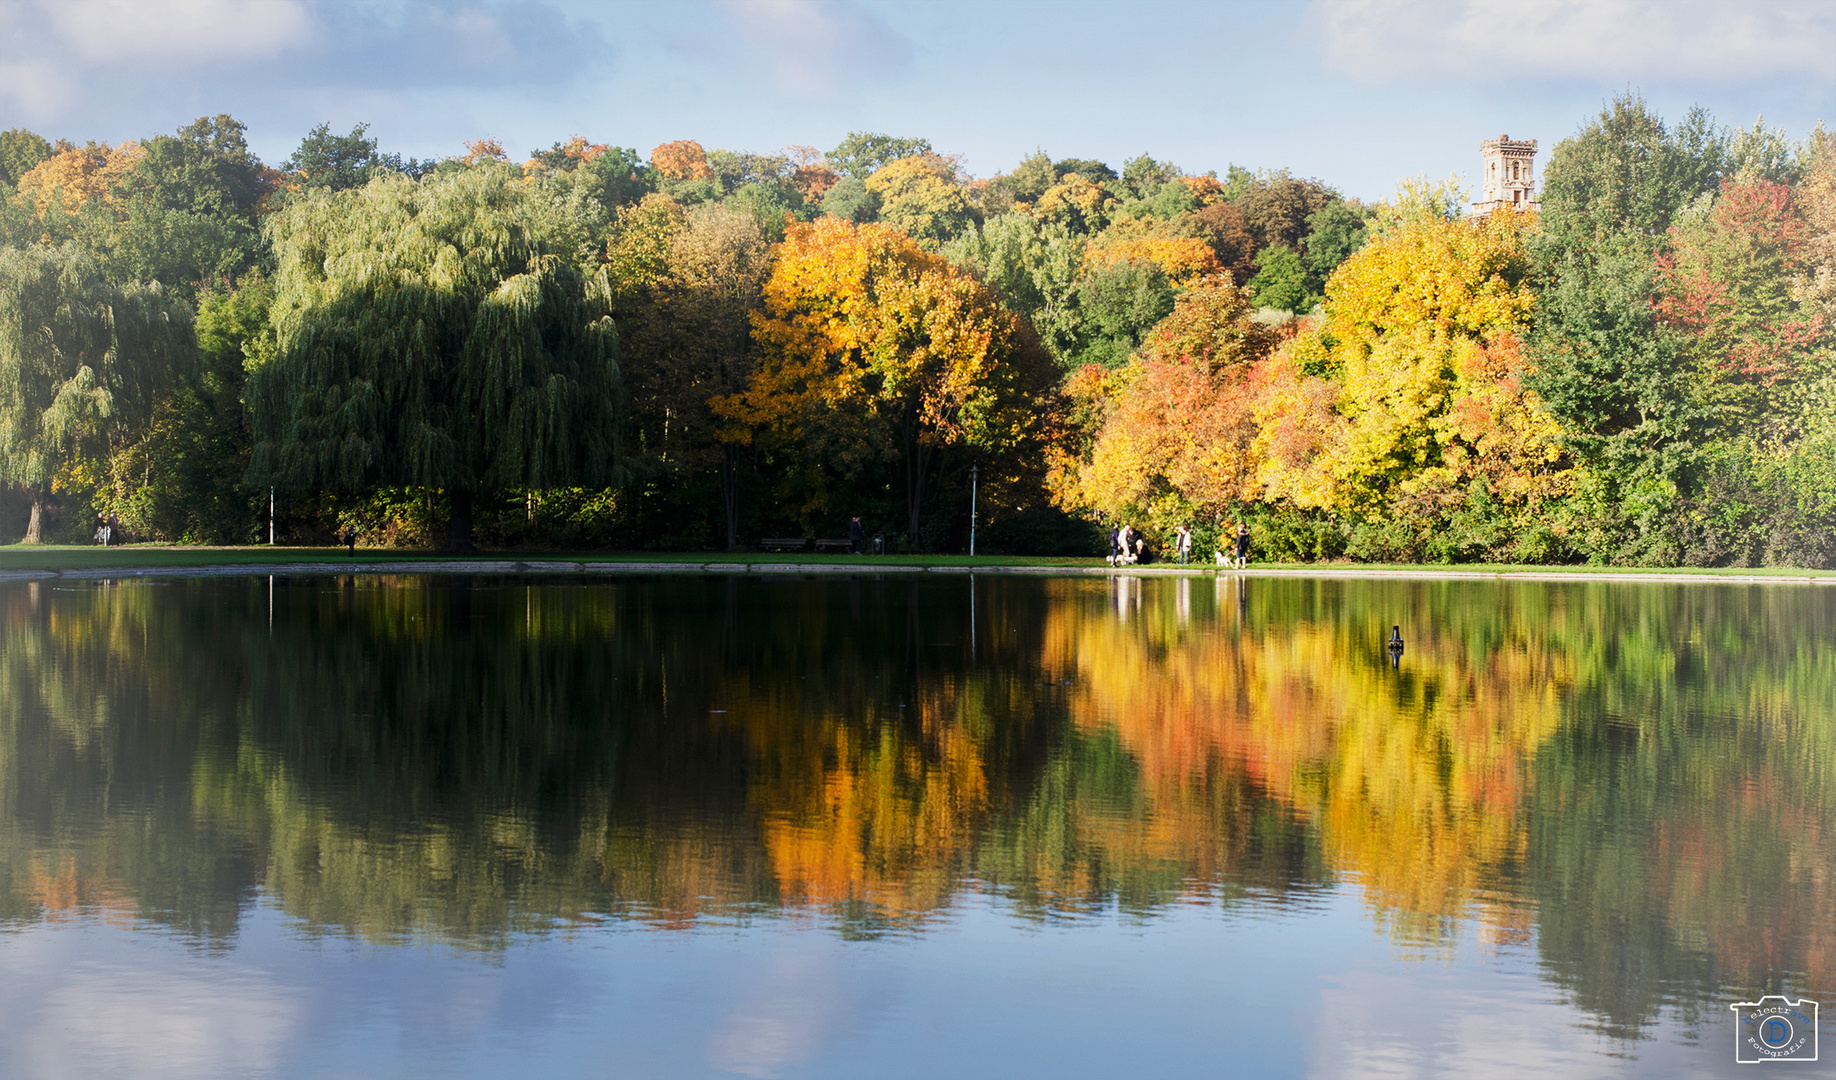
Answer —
(908, 825)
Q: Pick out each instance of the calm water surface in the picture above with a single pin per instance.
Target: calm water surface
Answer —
(908, 825)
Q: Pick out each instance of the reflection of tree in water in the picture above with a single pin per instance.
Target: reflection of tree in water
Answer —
(1681, 837)
(1638, 775)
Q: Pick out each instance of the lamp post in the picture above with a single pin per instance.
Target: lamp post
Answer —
(973, 477)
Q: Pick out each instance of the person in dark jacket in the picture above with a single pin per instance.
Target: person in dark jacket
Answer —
(1242, 553)
(856, 534)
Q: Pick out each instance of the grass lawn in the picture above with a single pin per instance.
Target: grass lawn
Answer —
(20, 557)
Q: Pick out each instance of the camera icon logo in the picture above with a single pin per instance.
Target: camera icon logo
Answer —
(1775, 1028)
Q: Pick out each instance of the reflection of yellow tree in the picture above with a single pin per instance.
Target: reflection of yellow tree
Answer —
(1415, 777)
(876, 810)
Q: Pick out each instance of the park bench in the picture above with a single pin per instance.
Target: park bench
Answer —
(842, 546)
(783, 543)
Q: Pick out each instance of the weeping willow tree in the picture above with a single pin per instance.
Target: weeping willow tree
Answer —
(82, 364)
(439, 334)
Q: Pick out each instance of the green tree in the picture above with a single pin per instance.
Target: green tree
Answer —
(1121, 301)
(1604, 365)
(325, 160)
(621, 175)
(1281, 280)
(1334, 233)
(864, 153)
(688, 339)
(183, 479)
(186, 211)
(20, 152)
(1033, 267)
(850, 200)
(441, 334)
(82, 364)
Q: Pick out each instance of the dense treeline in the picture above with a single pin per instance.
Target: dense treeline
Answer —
(702, 347)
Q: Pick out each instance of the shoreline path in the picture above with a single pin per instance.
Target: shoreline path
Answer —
(877, 565)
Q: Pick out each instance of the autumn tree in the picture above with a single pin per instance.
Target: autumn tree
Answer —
(452, 333)
(82, 364)
(1420, 339)
(1223, 226)
(1178, 430)
(1726, 284)
(79, 175)
(683, 159)
(1276, 206)
(873, 350)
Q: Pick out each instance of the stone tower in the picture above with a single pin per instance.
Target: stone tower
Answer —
(1510, 174)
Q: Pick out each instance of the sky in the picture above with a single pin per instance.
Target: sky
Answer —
(1358, 93)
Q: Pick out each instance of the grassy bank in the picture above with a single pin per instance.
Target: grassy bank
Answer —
(52, 558)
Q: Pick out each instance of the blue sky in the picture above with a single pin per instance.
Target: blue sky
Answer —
(1358, 93)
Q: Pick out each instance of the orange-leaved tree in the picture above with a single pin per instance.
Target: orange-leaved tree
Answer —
(872, 350)
(1180, 419)
(683, 159)
(80, 174)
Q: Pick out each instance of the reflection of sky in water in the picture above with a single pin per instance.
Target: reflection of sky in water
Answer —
(1188, 993)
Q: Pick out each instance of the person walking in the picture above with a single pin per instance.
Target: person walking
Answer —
(856, 535)
(1183, 543)
(101, 530)
(1114, 558)
(1242, 552)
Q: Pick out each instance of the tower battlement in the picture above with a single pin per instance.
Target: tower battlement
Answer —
(1509, 178)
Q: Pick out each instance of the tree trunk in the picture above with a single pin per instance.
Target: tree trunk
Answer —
(729, 494)
(917, 458)
(35, 527)
(459, 521)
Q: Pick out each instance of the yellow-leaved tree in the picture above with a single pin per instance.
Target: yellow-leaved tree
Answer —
(872, 351)
(1420, 341)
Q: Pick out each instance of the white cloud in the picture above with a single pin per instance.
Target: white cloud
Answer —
(157, 57)
(144, 33)
(127, 1022)
(1510, 41)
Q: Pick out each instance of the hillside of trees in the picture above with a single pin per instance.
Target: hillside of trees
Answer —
(595, 348)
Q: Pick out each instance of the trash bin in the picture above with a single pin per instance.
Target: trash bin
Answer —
(879, 543)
